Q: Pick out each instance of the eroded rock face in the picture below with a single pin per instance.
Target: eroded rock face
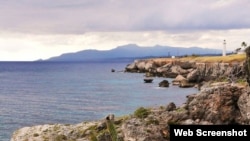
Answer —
(186, 84)
(178, 80)
(193, 72)
(53, 132)
(141, 66)
(216, 104)
(138, 130)
(244, 106)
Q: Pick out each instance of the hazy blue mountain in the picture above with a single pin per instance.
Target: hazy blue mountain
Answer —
(133, 51)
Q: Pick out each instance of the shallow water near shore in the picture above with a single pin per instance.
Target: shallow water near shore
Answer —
(35, 93)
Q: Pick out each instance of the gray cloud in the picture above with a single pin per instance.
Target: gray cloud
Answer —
(80, 16)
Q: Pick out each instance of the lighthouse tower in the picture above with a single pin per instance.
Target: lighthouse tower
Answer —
(224, 48)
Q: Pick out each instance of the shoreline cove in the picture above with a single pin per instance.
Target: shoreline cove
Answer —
(70, 93)
(213, 104)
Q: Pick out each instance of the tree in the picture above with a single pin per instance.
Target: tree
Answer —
(237, 50)
(244, 44)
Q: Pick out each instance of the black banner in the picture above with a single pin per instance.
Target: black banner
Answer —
(199, 132)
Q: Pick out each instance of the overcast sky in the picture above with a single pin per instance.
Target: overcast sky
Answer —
(40, 29)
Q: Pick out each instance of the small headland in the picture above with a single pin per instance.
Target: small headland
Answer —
(193, 70)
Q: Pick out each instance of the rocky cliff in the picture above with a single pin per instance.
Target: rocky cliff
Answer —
(189, 71)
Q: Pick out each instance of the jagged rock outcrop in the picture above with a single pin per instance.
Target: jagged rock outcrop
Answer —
(178, 79)
(141, 66)
(53, 132)
(185, 84)
(220, 103)
(244, 106)
(193, 72)
(215, 104)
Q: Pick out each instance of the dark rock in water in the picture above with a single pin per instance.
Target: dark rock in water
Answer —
(171, 106)
(164, 83)
(112, 70)
(148, 80)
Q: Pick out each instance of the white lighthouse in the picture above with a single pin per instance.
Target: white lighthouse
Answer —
(224, 48)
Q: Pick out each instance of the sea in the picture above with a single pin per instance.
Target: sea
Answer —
(35, 93)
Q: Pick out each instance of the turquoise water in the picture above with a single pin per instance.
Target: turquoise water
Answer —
(48, 92)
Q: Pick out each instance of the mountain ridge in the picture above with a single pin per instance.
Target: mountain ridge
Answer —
(132, 51)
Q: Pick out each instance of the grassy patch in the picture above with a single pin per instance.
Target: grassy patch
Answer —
(242, 81)
(208, 59)
(213, 59)
(142, 112)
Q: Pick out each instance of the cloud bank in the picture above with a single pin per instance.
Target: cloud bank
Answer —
(33, 29)
(80, 16)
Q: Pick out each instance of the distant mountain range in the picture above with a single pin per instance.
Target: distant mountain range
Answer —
(133, 51)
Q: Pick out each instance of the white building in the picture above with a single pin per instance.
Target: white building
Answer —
(224, 48)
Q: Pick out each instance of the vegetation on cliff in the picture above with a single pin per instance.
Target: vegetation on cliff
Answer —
(209, 59)
(213, 59)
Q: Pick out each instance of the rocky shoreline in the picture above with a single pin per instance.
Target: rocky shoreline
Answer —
(218, 102)
(188, 73)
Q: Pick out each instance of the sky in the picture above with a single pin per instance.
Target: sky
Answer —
(40, 29)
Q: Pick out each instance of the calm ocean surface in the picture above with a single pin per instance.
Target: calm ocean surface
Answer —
(33, 93)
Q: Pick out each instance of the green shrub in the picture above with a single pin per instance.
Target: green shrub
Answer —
(141, 112)
(93, 137)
